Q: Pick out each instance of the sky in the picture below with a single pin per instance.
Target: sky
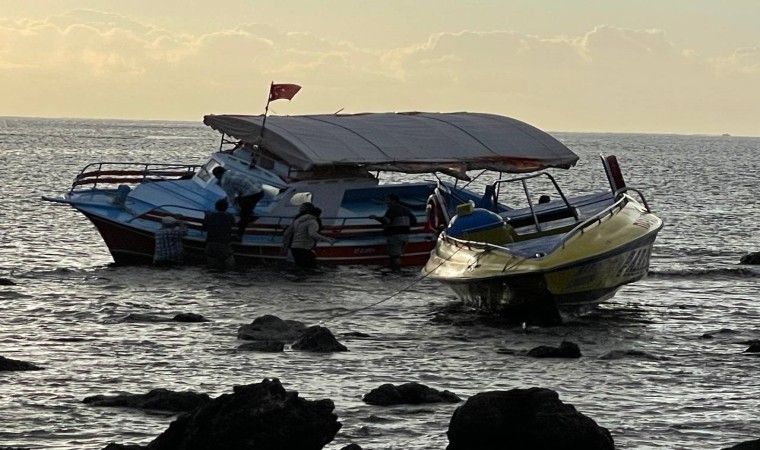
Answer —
(654, 66)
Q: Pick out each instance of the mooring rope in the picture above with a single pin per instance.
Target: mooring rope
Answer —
(400, 291)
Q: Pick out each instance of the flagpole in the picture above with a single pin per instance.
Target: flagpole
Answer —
(266, 112)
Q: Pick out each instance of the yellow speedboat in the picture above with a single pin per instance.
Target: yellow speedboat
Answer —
(549, 259)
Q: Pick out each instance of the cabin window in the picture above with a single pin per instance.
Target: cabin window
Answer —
(205, 172)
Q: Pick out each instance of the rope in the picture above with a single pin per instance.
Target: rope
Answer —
(353, 311)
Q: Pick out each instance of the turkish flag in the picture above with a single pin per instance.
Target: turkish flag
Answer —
(286, 91)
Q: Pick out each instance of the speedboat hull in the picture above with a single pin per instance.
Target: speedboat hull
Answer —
(550, 276)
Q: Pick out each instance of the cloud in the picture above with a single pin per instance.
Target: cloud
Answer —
(89, 63)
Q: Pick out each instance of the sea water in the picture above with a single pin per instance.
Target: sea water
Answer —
(662, 367)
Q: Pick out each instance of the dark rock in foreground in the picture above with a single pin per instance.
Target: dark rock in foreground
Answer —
(7, 364)
(565, 350)
(157, 399)
(113, 446)
(261, 416)
(525, 419)
(750, 258)
(318, 339)
(749, 445)
(408, 394)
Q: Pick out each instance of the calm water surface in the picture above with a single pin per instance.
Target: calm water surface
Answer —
(671, 388)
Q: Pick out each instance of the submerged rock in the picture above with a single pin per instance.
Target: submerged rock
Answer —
(532, 418)
(157, 399)
(7, 364)
(254, 417)
(750, 258)
(565, 350)
(408, 394)
(189, 317)
(318, 339)
(748, 445)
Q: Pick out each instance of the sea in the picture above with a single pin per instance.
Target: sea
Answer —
(663, 363)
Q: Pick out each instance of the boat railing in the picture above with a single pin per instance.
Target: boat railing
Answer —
(497, 187)
(116, 173)
(625, 190)
(274, 226)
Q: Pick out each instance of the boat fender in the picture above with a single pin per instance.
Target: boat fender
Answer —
(436, 220)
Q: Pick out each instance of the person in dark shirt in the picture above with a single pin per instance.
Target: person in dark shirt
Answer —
(397, 223)
(218, 226)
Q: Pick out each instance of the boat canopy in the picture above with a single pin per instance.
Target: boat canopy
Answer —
(413, 142)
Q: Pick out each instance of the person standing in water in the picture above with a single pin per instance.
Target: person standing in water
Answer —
(218, 226)
(397, 223)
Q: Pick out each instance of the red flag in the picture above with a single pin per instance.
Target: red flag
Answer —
(286, 91)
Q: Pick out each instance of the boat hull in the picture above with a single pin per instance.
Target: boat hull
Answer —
(130, 245)
(572, 279)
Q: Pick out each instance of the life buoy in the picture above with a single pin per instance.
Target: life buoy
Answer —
(436, 219)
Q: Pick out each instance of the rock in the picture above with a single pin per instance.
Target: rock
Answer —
(750, 258)
(318, 339)
(748, 445)
(7, 364)
(408, 394)
(157, 399)
(271, 328)
(753, 348)
(189, 317)
(262, 346)
(532, 419)
(352, 447)
(565, 350)
(113, 446)
(6, 282)
(259, 416)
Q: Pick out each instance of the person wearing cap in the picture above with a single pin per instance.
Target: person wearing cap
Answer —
(168, 242)
(242, 191)
(397, 223)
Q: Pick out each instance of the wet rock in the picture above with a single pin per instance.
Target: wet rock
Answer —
(753, 348)
(189, 317)
(532, 418)
(271, 328)
(262, 346)
(408, 394)
(352, 447)
(318, 339)
(157, 399)
(722, 331)
(750, 258)
(113, 446)
(566, 349)
(6, 282)
(748, 445)
(254, 417)
(7, 364)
